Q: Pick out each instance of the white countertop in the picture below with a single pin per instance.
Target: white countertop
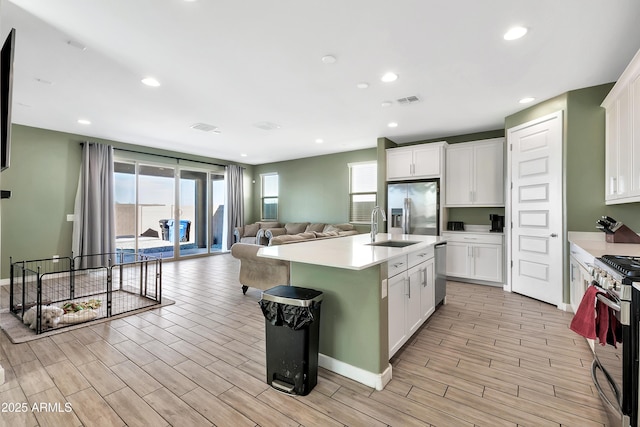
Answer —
(595, 244)
(350, 252)
(475, 229)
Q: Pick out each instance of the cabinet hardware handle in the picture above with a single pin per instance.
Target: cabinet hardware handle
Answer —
(408, 284)
(470, 238)
(396, 265)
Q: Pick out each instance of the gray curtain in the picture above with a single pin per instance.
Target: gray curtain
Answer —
(94, 213)
(235, 201)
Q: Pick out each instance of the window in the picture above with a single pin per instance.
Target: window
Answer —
(363, 186)
(269, 196)
(153, 218)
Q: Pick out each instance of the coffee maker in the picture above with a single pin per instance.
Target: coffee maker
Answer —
(497, 223)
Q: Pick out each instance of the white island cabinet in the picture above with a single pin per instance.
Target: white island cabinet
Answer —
(374, 297)
(411, 295)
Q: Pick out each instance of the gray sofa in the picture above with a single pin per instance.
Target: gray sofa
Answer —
(294, 232)
(259, 272)
(254, 233)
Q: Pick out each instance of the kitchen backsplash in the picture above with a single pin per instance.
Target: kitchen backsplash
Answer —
(473, 215)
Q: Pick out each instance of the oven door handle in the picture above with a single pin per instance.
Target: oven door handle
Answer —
(595, 365)
(606, 301)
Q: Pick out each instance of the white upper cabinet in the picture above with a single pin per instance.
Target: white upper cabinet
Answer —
(622, 137)
(415, 161)
(475, 173)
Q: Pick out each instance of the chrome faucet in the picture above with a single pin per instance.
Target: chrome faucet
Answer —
(374, 221)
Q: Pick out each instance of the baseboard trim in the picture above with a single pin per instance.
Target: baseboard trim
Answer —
(370, 379)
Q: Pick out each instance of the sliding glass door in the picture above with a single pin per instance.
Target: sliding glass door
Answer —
(156, 210)
(193, 212)
(218, 236)
(168, 212)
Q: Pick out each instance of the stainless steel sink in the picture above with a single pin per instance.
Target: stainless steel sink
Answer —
(393, 243)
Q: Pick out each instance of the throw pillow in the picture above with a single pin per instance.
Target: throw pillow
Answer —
(331, 228)
(344, 227)
(314, 227)
(251, 230)
(295, 227)
(268, 224)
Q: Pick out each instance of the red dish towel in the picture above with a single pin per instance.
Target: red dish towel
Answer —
(602, 321)
(584, 321)
(607, 325)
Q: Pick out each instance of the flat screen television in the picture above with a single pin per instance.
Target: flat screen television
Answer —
(6, 89)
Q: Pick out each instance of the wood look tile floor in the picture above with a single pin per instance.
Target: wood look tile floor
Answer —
(486, 358)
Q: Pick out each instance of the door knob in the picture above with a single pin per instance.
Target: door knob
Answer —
(554, 235)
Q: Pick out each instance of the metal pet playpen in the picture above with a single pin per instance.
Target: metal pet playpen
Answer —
(85, 287)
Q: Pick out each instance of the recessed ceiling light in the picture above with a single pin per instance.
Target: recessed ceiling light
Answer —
(243, 154)
(386, 104)
(43, 81)
(84, 122)
(515, 33)
(319, 141)
(76, 44)
(329, 59)
(393, 125)
(389, 77)
(526, 100)
(206, 127)
(267, 125)
(362, 85)
(150, 81)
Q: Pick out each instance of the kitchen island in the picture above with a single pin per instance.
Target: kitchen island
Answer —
(354, 277)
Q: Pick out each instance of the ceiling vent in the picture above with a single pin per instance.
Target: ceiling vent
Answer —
(206, 128)
(408, 100)
(267, 125)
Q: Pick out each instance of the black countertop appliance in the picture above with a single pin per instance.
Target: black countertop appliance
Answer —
(497, 223)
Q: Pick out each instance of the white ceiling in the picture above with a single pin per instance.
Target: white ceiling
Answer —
(234, 64)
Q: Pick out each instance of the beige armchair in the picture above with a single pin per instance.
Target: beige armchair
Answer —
(259, 272)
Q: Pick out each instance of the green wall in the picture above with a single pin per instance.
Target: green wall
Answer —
(584, 157)
(313, 189)
(583, 160)
(43, 179)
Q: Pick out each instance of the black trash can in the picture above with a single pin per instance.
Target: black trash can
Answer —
(292, 329)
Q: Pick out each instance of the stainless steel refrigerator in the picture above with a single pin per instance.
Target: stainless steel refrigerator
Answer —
(413, 207)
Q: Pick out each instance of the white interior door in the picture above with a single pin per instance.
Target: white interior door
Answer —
(536, 208)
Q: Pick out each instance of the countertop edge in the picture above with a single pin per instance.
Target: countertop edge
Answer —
(350, 252)
(594, 244)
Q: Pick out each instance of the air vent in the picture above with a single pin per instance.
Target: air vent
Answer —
(267, 125)
(205, 127)
(408, 100)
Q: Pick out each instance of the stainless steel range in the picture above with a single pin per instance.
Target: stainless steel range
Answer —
(615, 367)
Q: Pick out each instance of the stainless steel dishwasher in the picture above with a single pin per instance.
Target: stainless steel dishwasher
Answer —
(441, 271)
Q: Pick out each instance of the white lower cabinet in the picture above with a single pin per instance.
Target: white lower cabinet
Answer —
(475, 256)
(411, 296)
(579, 276)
